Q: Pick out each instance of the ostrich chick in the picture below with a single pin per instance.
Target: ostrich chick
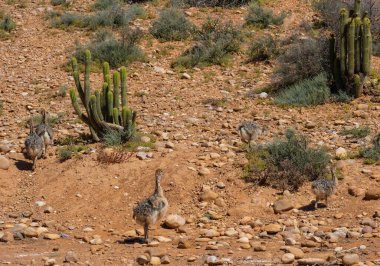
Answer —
(249, 131)
(324, 188)
(152, 209)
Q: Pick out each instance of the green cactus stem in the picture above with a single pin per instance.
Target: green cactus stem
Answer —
(351, 47)
(358, 86)
(116, 84)
(357, 8)
(116, 116)
(343, 41)
(123, 77)
(367, 46)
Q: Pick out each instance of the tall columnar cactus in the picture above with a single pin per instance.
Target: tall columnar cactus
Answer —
(103, 112)
(352, 64)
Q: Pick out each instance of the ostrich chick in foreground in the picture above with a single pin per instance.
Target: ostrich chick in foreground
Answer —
(45, 132)
(324, 188)
(249, 131)
(34, 145)
(152, 209)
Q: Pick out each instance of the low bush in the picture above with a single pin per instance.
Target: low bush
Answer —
(356, 132)
(68, 152)
(7, 24)
(104, 47)
(216, 42)
(286, 163)
(341, 97)
(113, 16)
(172, 25)
(59, 2)
(67, 20)
(261, 17)
(304, 58)
(217, 3)
(372, 154)
(311, 91)
(263, 48)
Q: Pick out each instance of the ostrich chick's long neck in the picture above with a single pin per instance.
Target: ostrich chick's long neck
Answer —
(158, 191)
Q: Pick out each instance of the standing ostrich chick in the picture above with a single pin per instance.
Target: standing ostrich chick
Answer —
(152, 209)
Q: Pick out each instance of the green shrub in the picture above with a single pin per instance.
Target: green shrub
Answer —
(216, 42)
(7, 24)
(217, 3)
(262, 17)
(104, 4)
(341, 97)
(263, 48)
(58, 2)
(286, 163)
(105, 48)
(68, 152)
(67, 20)
(357, 132)
(115, 138)
(304, 58)
(372, 154)
(62, 92)
(172, 25)
(51, 120)
(113, 16)
(312, 91)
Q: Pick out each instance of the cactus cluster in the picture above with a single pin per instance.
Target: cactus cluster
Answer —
(352, 60)
(103, 112)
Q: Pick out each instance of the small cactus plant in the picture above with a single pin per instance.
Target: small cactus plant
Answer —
(103, 112)
(352, 64)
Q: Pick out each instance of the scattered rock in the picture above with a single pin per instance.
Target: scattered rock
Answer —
(51, 236)
(71, 256)
(142, 260)
(174, 221)
(311, 261)
(350, 259)
(204, 171)
(185, 76)
(184, 244)
(4, 163)
(372, 194)
(287, 258)
(282, 205)
(355, 191)
(155, 260)
(165, 260)
(272, 228)
(263, 95)
(208, 195)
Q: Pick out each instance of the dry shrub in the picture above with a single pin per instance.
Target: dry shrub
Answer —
(110, 156)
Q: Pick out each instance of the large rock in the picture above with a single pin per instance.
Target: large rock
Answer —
(273, 228)
(350, 259)
(282, 206)
(174, 221)
(372, 194)
(4, 163)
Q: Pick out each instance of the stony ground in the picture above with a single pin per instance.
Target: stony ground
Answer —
(81, 210)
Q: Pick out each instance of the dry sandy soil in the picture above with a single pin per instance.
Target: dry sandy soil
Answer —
(90, 200)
